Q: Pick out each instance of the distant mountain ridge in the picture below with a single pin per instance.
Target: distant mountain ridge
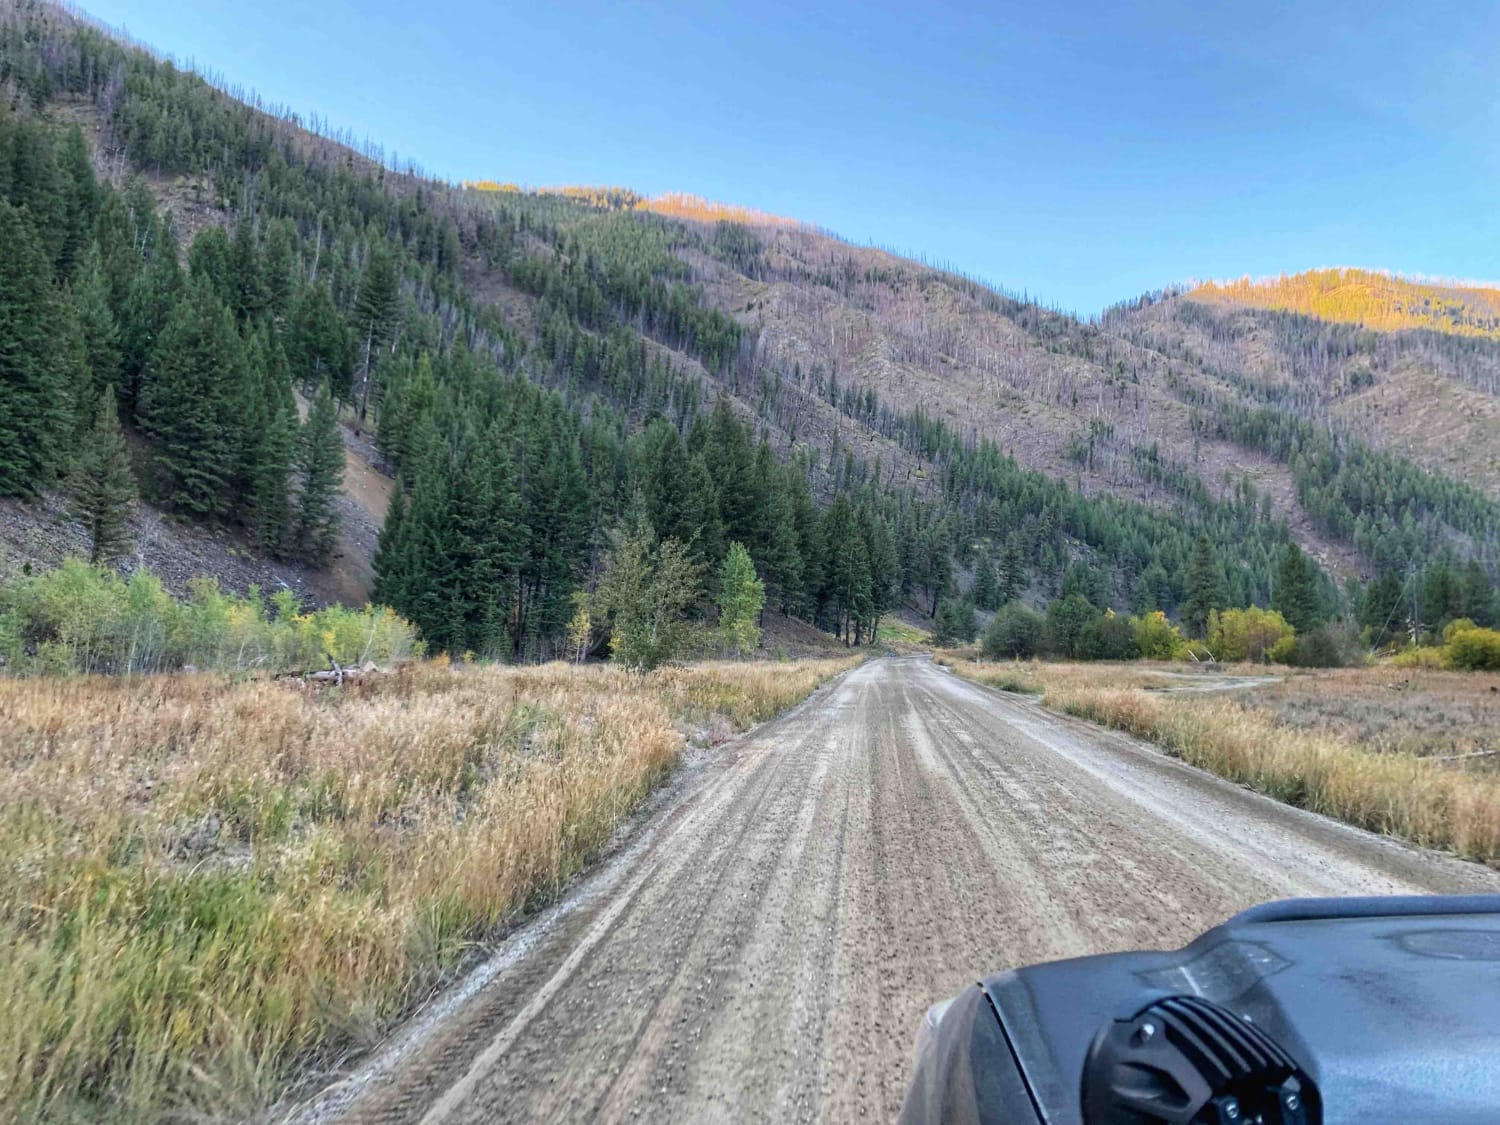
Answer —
(677, 204)
(1374, 299)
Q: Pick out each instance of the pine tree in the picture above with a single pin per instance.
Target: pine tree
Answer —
(78, 200)
(764, 476)
(485, 538)
(1204, 588)
(320, 467)
(741, 596)
(392, 563)
(555, 512)
(672, 505)
(114, 234)
(419, 564)
(783, 564)
(211, 260)
(70, 369)
(280, 269)
(270, 446)
(810, 543)
(1439, 593)
(726, 452)
(101, 335)
(1382, 611)
(701, 510)
(1067, 620)
(1476, 595)
(247, 284)
(318, 346)
(986, 583)
(884, 571)
(375, 316)
(1013, 576)
(1296, 593)
(103, 486)
(32, 182)
(1152, 590)
(847, 574)
(152, 294)
(35, 409)
(190, 393)
(954, 623)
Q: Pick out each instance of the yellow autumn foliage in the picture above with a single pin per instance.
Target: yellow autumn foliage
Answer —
(1381, 301)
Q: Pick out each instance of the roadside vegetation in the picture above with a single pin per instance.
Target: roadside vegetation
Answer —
(1413, 755)
(1449, 716)
(1305, 624)
(86, 619)
(1465, 647)
(208, 883)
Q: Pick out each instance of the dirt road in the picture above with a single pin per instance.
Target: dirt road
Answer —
(763, 946)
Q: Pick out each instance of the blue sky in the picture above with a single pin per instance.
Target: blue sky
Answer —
(1081, 152)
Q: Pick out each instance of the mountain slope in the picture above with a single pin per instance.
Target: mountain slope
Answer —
(582, 349)
(1432, 397)
(1123, 407)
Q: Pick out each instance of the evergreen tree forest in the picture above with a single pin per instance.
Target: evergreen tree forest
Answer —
(105, 322)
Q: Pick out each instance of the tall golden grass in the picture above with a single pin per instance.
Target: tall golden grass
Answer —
(1400, 794)
(1264, 740)
(207, 883)
(1034, 677)
(1403, 794)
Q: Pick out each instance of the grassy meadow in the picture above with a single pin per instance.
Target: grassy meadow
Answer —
(209, 883)
(1413, 754)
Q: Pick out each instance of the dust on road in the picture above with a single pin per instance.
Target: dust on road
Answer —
(765, 946)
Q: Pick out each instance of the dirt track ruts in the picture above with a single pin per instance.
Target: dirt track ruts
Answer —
(764, 947)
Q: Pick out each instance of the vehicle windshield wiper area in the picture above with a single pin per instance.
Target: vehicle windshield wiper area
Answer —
(1298, 1012)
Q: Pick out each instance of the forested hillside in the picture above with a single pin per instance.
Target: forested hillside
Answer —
(545, 374)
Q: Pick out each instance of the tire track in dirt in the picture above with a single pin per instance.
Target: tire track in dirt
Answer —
(766, 947)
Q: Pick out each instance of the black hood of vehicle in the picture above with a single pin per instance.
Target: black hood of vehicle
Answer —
(1392, 1007)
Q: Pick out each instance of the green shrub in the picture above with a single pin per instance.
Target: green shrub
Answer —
(1109, 638)
(1067, 618)
(80, 618)
(1319, 648)
(1157, 638)
(1015, 630)
(1284, 651)
(1247, 634)
(1422, 657)
(1459, 625)
(1474, 650)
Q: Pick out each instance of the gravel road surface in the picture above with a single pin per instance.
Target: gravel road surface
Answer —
(764, 944)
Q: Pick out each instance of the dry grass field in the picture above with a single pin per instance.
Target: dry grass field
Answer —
(1450, 715)
(206, 883)
(1405, 753)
